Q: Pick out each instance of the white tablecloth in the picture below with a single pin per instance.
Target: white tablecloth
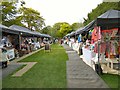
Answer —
(70, 44)
(87, 56)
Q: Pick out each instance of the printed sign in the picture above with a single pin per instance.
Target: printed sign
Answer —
(10, 54)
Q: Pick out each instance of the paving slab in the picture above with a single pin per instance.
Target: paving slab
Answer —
(28, 66)
(10, 69)
(79, 74)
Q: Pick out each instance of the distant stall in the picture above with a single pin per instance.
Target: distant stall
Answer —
(21, 39)
(7, 51)
(6, 41)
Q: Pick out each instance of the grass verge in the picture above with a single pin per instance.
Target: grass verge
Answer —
(112, 81)
(49, 72)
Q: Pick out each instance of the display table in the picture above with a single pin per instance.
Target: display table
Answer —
(87, 56)
(111, 62)
(70, 44)
(76, 46)
(23, 52)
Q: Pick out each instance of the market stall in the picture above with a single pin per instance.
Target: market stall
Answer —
(6, 47)
(6, 42)
(105, 43)
(27, 39)
(108, 25)
(17, 41)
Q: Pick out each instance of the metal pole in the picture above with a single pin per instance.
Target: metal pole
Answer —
(99, 67)
(98, 57)
(20, 41)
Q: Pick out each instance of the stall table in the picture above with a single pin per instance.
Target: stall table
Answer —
(112, 61)
(87, 56)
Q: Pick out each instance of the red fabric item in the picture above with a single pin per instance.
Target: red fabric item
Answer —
(102, 48)
(96, 48)
(110, 30)
(96, 34)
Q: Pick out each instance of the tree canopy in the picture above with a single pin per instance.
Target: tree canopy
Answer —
(21, 16)
(9, 14)
(64, 29)
(100, 9)
(47, 30)
(76, 26)
(58, 30)
(32, 18)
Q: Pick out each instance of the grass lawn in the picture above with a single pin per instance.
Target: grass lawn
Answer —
(112, 81)
(49, 72)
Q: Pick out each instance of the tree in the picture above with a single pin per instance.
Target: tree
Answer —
(56, 28)
(64, 29)
(76, 26)
(32, 18)
(47, 30)
(60, 29)
(9, 14)
(100, 9)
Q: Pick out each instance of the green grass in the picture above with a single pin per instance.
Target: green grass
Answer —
(49, 72)
(112, 81)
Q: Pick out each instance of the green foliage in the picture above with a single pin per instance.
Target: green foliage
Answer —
(9, 14)
(47, 30)
(100, 9)
(32, 18)
(12, 15)
(76, 26)
(64, 29)
(60, 29)
(56, 28)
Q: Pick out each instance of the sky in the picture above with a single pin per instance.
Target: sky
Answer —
(70, 11)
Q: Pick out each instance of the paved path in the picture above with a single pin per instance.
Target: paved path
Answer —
(79, 74)
(28, 66)
(13, 65)
(9, 70)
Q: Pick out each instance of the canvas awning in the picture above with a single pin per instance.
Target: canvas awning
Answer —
(89, 26)
(22, 30)
(86, 28)
(79, 31)
(109, 19)
(14, 29)
(4, 28)
(46, 35)
(72, 34)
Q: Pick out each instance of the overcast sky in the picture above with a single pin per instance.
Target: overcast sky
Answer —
(70, 11)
